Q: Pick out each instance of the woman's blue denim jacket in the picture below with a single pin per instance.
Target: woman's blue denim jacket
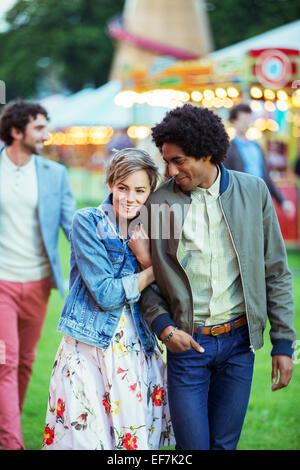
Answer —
(103, 278)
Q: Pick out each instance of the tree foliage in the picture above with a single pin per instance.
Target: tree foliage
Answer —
(53, 44)
(235, 20)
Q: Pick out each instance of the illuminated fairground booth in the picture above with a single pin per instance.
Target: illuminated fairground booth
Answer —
(267, 79)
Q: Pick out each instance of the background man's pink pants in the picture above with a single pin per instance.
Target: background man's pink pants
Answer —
(23, 307)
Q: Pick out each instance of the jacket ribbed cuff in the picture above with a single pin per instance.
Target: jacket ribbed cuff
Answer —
(282, 347)
(160, 323)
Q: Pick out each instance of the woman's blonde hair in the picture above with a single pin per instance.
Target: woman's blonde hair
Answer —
(126, 161)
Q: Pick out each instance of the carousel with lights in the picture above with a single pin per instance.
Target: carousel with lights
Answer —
(266, 79)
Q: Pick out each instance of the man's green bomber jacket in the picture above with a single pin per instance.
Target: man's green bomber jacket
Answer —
(254, 229)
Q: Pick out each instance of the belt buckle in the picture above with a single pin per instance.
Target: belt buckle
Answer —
(213, 332)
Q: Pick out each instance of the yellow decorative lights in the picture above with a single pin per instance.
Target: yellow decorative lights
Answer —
(270, 106)
(256, 106)
(209, 94)
(169, 98)
(269, 94)
(296, 99)
(165, 97)
(232, 92)
(262, 124)
(231, 132)
(256, 92)
(196, 96)
(93, 135)
(253, 133)
(138, 132)
(282, 105)
(81, 136)
(271, 99)
(220, 92)
(282, 95)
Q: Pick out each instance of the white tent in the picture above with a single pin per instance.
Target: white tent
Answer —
(88, 107)
(287, 36)
(96, 107)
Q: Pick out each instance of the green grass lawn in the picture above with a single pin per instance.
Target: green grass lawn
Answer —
(272, 420)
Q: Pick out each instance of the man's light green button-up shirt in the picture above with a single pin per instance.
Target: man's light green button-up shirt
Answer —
(207, 255)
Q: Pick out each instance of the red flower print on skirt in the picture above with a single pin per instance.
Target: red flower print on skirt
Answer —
(133, 387)
(60, 408)
(158, 396)
(106, 403)
(48, 436)
(129, 442)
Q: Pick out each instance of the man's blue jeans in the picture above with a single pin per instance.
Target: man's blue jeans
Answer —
(209, 392)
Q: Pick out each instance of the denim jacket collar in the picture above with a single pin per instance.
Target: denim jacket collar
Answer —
(107, 211)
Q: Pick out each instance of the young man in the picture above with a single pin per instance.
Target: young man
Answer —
(35, 200)
(245, 155)
(220, 265)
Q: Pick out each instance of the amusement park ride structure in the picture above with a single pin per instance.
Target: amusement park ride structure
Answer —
(148, 30)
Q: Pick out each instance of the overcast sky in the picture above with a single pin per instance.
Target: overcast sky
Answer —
(4, 6)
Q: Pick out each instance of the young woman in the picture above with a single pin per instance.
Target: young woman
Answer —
(108, 384)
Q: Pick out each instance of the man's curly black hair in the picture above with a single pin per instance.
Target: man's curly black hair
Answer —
(18, 114)
(197, 131)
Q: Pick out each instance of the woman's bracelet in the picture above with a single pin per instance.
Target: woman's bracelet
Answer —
(169, 335)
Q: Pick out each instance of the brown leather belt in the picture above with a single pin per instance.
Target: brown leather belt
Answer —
(220, 329)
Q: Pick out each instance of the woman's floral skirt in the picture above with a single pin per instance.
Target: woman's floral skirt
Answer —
(113, 399)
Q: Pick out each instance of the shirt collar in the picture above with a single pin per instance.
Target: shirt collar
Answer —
(213, 190)
(11, 167)
(107, 211)
(242, 140)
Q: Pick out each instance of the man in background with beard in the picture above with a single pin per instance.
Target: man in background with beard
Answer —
(35, 200)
